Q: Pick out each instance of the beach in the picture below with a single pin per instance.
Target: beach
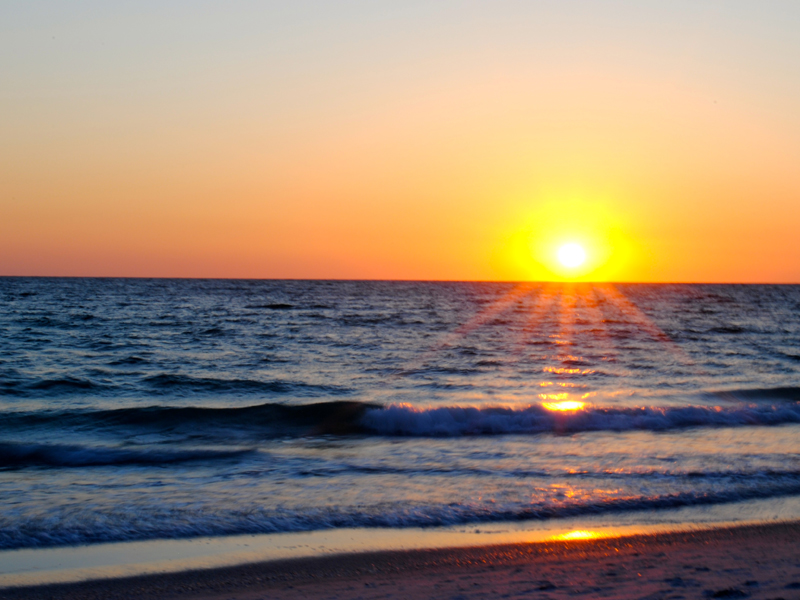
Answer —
(756, 561)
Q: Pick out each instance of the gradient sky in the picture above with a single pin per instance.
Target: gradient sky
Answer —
(400, 140)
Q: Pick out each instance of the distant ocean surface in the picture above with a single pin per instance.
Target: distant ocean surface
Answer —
(136, 409)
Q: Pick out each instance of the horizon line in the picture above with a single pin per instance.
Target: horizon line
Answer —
(354, 280)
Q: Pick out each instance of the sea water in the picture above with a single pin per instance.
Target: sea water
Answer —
(136, 409)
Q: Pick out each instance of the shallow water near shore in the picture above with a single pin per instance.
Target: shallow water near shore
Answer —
(143, 410)
(127, 559)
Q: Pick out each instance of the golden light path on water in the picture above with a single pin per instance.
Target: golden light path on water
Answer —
(578, 534)
(562, 302)
(566, 405)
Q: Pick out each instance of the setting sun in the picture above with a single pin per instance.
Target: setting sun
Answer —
(571, 255)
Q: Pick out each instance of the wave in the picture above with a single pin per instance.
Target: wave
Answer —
(263, 420)
(58, 386)
(129, 360)
(19, 455)
(172, 383)
(406, 420)
(90, 525)
(728, 329)
(272, 306)
(271, 420)
(65, 384)
(161, 384)
(787, 393)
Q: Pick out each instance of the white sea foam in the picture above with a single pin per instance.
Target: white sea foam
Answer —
(403, 419)
(90, 524)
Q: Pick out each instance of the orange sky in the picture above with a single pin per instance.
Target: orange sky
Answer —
(441, 140)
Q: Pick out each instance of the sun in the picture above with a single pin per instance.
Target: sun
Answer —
(571, 255)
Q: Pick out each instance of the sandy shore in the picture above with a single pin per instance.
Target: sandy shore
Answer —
(755, 561)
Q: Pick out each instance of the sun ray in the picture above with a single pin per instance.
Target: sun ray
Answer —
(545, 303)
(478, 320)
(632, 312)
(567, 367)
(600, 331)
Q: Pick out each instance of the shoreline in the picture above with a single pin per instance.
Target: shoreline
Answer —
(114, 560)
(759, 561)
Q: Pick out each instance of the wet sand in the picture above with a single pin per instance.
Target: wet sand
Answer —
(746, 562)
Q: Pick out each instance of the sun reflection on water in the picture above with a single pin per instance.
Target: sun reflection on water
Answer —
(578, 534)
(565, 405)
(568, 371)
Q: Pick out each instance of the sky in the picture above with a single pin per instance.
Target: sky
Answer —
(429, 140)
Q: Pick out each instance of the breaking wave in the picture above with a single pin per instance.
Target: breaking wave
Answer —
(350, 417)
(407, 420)
(170, 522)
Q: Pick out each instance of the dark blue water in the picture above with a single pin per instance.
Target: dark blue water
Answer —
(140, 409)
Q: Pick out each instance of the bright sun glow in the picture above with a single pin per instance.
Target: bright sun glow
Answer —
(564, 406)
(571, 255)
(580, 534)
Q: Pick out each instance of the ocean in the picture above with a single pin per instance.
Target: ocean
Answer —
(151, 409)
